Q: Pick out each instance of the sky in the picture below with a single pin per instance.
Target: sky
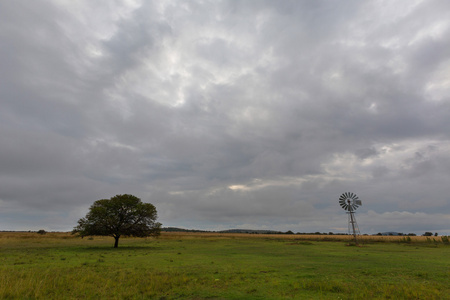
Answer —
(227, 114)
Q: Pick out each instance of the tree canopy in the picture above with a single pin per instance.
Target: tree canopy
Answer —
(122, 215)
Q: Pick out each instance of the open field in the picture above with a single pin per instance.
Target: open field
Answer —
(222, 266)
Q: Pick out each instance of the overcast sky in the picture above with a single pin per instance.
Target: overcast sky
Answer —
(227, 114)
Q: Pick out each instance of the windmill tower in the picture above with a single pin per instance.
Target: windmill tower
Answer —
(350, 202)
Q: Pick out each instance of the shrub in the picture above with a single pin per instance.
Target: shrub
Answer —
(405, 239)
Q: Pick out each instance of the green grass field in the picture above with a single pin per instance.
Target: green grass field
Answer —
(202, 266)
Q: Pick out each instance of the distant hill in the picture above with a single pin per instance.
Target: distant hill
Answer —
(176, 229)
(391, 233)
(254, 231)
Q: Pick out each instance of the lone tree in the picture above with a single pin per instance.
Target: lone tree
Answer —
(122, 215)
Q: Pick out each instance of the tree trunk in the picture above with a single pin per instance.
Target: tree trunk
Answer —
(116, 242)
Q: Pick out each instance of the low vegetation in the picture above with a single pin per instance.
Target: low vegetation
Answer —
(218, 266)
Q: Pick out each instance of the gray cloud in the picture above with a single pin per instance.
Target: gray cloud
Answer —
(226, 114)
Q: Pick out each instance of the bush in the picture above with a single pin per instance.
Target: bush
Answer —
(405, 239)
(41, 231)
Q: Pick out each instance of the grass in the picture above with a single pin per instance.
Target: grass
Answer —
(221, 266)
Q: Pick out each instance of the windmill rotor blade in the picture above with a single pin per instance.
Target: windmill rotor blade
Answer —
(342, 201)
(349, 201)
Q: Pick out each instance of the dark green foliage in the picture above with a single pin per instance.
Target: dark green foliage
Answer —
(406, 239)
(428, 233)
(41, 231)
(122, 215)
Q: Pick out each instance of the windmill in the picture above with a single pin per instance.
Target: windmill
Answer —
(350, 203)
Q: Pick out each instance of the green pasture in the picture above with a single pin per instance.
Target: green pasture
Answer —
(220, 267)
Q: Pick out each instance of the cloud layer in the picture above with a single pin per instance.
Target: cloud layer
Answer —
(227, 114)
